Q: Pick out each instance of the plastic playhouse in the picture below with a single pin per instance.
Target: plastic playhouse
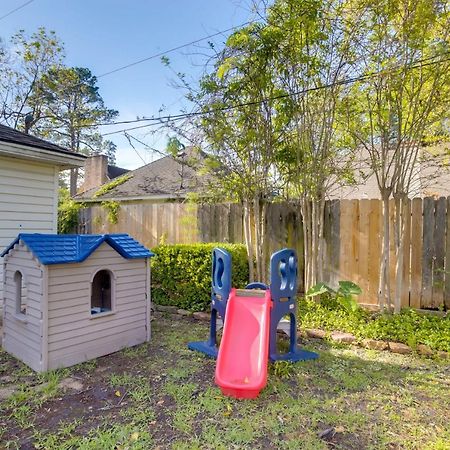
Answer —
(251, 319)
(72, 298)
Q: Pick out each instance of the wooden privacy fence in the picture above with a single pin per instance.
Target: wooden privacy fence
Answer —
(354, 232)
(353, 239)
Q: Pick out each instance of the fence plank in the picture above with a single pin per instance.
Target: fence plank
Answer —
(374, 237)
(363, 250)
(345, 247)
(427, 251)
(335, 241)
(392, 250)
(326, 239)
(416, 252)
(349, 245)
(406, 269)
(447, 260)
(437, 298)
(353, 268)
(154, 225)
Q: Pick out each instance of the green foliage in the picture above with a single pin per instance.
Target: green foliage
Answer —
(408, 327)
(344, 294)
(73, 109)
(181, 274)
(113, 209)
(67, 212)
(174, 146)
(282, 369)
(110, 186)
(26, 60)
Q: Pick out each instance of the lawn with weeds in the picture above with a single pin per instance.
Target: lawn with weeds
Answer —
(161, 395)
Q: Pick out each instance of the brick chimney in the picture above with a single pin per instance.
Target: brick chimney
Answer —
(95, 172)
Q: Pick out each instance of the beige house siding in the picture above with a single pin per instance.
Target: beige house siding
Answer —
(22, 336)
(74, 335)
(28, 200)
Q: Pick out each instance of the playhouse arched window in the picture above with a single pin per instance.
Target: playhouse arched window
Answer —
(21, 295)
(102, 292)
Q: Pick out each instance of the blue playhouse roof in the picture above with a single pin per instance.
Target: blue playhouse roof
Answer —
(75, 248)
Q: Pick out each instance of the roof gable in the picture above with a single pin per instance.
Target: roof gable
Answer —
(75, 248)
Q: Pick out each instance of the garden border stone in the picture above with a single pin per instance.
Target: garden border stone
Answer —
(346, 338)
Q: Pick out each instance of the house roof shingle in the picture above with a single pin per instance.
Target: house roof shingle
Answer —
(8, 134)
(114, 171)
(166, 177)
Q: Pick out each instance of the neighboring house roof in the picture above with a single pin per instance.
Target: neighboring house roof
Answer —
(167, 177)
(14, 143)
(114, 172)
(75, 248)
(429, 178)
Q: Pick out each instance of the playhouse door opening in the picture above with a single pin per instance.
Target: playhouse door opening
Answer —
(101, 292)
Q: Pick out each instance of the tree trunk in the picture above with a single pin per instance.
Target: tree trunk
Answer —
(320, 240)
(313, 241)
(248, 241)
(264, 263)
(307, 238)
(384, 293)
(73, 181)
(257, 225)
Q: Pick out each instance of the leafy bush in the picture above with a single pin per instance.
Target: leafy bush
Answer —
(113, 208)
(408, 327)
(344, 295)
(67, 213)
(181, 273)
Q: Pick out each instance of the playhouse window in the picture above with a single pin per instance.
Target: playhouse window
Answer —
(21, 295)
(101, 295)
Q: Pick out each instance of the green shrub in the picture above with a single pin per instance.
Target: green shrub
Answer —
(181, 273)
(408, 327)
(67, 213)
(344, 295)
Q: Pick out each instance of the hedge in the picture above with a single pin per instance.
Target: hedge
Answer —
(181, 273)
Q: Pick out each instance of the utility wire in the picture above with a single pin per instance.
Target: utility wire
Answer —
(134, 148)
(175, 117)
(156, 55)
(16, 9)
(171, 50)
(128, 136)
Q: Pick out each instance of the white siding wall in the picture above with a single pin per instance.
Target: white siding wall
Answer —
(74, 335)
(23, 339)
(28, 200)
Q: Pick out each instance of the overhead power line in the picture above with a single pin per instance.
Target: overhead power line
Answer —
(16, 9)
(171, 50)
(169, 118)
(160, 54)
(128, 136)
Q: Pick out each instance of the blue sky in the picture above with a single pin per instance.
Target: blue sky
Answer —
(105, 34)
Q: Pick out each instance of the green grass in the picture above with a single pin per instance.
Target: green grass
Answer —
(373, 400)
(105, 437)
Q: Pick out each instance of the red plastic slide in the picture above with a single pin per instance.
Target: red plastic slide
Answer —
(241, 369)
